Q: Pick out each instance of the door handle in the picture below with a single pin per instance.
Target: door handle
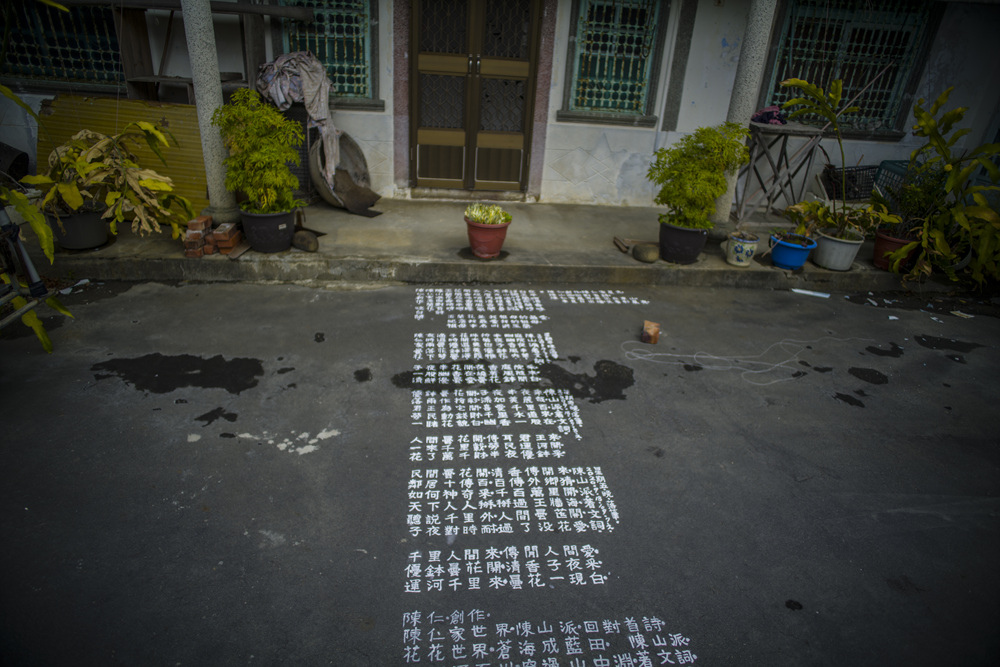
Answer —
(469, 67)
(478, 64)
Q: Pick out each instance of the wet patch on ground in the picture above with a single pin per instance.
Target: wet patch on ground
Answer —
(216, 414)
(869, 375)
(160, 374)
(363, 375)
(850, 400)
(895, 351)
(609, 381)
(950, 344)
(953, 305)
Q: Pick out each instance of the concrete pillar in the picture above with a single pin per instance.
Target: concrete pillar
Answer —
(746, 88)
(200, 34)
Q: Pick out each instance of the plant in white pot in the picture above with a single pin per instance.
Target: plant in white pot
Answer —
(261, 143)
(838, 228)
(691, 175)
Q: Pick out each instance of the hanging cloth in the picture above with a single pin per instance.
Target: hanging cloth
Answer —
(301, 77)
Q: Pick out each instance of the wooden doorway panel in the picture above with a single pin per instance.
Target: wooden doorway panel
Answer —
(472, 85)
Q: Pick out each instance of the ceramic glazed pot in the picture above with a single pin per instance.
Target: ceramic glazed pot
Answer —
(269, 232)
(486, 240)
(83, 231)
(834, 253)
(681, 245)
(740, 248)
(792, 254)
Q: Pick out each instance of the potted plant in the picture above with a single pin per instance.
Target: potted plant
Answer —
(838, 229)
(962, 226)
(487, 229)
(261, 143)
(913, 198)
(94, 181)
(691, 175)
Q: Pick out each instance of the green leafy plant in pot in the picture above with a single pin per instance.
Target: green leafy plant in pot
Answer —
(261, 143)
(487, 229)
(838, 228)
(691, 175)
(960, 230)
(95, 181)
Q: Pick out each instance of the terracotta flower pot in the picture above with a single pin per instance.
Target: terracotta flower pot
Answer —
(886, 244)
(486, 240)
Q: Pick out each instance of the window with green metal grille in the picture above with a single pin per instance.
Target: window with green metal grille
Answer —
(47, 44)
(341, 38)
(823, 40)
(612, 57)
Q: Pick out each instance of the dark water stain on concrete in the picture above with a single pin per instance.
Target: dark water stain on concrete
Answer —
(895, 351)
(466, 253)
(956, 358)
(693, 367)
(319, 337)
(935, 343)
(822, 369)
(655, 451)
(160, 374)
(869, 375)
(363, 375)
(850, 400)
(861, 392)
(227, 435)
(282, 371)
(798, 374)
(413, 380)
(793, 605)
(903, 585)
(609, 381)
(573, 358)
(803, 362)
(213, 415)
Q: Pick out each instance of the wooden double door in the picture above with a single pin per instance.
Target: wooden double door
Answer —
(472, 82)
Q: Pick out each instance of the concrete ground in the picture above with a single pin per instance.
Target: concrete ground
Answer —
(418, 241)
(246, 474)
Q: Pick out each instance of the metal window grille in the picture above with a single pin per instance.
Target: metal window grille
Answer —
(823, 40)
(614, 42)
(340, 37)
(79, 46)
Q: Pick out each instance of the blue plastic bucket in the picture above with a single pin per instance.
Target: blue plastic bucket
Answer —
(791, 255)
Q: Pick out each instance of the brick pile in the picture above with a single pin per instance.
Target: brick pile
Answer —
(202, 239)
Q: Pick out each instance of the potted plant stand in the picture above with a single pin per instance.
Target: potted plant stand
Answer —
(740, 247)
(836, 254)
(80, 231)
(269, 232)
(886, 244)
(487, 229)
(790, 251)
(681, 245)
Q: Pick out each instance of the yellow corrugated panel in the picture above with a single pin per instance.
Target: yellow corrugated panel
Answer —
(67, 115)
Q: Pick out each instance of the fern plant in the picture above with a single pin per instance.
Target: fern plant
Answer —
(261, 143)
(692, 173)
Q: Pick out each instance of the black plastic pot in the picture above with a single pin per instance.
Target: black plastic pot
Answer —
(269, 232)
(681, 245)
(79, 231)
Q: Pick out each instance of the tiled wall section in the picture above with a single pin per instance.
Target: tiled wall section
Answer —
(605, 166)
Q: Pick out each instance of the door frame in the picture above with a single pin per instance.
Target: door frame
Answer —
(475, 70)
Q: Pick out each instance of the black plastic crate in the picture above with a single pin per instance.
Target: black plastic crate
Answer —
(306, 191)
(859, 181)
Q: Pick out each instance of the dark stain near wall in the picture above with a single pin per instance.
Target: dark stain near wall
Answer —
(161, 374)
(363, 375)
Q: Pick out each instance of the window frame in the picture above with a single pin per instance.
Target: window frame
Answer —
(654, 62)
(907, 86)
(372, 102)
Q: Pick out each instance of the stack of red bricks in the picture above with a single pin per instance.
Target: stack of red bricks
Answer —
(201, 239)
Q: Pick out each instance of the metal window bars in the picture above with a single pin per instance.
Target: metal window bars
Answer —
(823, 40)
(79, 46)
(339, 38)
(614, 40)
